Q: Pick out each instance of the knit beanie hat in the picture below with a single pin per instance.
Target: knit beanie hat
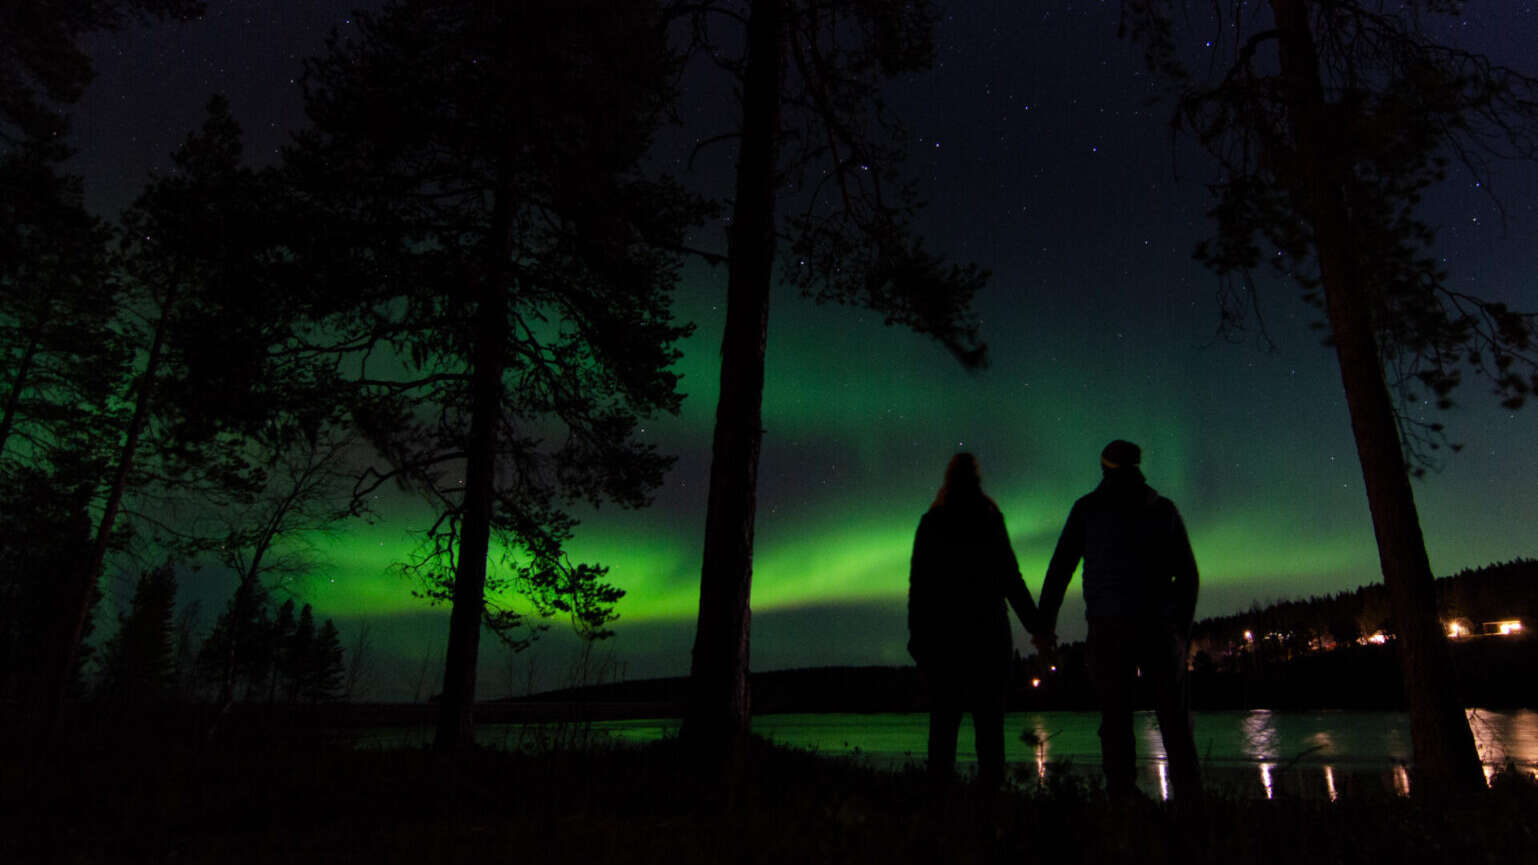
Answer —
(1120, 454)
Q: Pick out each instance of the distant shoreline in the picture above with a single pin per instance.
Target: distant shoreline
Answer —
(363, 716)
(1492, 675)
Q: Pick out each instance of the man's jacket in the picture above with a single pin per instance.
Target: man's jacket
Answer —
(1137, 557)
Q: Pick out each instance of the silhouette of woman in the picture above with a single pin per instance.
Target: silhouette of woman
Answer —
(962, 573)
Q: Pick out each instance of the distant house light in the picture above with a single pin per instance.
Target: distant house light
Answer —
(1378, 638)
(1035, 683)
(1249, 636)
(1505, 628)
(1456, 629)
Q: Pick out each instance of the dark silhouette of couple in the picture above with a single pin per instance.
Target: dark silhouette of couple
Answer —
(1139, 586)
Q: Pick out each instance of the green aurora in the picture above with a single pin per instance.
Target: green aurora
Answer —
(1057, 175)
(1255, 448)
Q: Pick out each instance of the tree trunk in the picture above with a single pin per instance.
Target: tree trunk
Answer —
(233, 643)
(19, 383)
(456, 719)
(1445, 756)
(719, 704)
(77, 603)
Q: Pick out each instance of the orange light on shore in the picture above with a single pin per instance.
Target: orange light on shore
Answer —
(1509, 628)
(1456, 630)
(1035, 683)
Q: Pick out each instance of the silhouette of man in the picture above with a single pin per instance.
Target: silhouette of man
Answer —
(1140, 587)
(963, 570)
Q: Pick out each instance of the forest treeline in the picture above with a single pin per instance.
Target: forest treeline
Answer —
(1314, 652)
(1470, 599)
(257, 651)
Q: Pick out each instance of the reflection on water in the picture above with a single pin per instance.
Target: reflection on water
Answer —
(1505, 737)
(1328, 753)
(1310, 750)
(1039, 738)
(1261, 743)
(1261, 740)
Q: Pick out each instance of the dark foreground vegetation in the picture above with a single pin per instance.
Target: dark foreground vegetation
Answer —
(294, 800)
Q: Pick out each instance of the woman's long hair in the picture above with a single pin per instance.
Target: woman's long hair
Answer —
(963, 483)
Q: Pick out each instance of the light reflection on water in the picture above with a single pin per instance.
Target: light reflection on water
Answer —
(1320, 753)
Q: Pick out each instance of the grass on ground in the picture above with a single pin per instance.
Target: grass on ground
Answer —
(295, 803)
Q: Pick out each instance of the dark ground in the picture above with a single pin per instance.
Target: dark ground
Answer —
(290, 796)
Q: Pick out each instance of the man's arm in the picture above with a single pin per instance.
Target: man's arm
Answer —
(1183, 568)
(1065, 559)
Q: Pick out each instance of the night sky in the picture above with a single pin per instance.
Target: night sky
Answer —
(1044, 162)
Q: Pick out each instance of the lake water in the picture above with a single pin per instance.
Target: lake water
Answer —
(1261, 753)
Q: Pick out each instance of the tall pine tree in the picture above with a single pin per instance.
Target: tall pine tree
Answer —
(194, 245)
(809, 77)
(1329, 121)
(298, 657)
(492, 265)
(328, 667)
(138, 661)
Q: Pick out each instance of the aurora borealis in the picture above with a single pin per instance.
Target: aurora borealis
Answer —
(1044, 163)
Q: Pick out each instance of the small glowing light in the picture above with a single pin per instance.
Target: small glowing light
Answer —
(1329, 783)
(1378, 638)
(1054, 668)
(1509, 628)
(1249, 636)
(1035, 683)
(1265, 778)
(1402, 780)
(1455, 630)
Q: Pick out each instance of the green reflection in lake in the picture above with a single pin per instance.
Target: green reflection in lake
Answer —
(1320, 753)
(1259, 752)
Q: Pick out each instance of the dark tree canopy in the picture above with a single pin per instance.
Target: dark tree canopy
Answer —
(469, 156)
(1403, 110)
(145, 376)
(848, 216)
(495, 281)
